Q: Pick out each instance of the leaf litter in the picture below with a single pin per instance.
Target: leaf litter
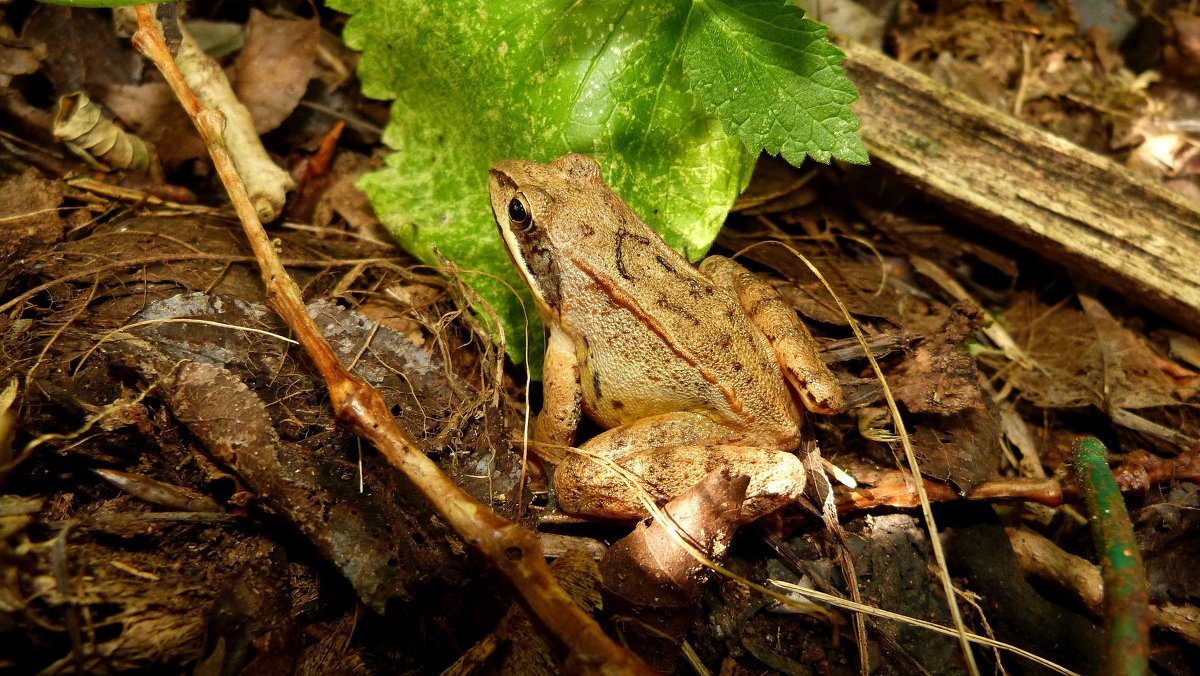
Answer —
(235, 417)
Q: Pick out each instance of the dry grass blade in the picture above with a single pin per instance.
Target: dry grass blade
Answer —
(165, 258)
(931, 626)
(475, 300)
(115, 409)
(914, 467)
(177, 320)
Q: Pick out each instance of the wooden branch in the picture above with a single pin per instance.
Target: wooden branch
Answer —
(511, 550)
(1099, 219)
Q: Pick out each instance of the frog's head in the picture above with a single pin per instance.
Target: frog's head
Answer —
(531, 202)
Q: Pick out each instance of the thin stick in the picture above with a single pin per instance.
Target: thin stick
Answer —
(512, 550)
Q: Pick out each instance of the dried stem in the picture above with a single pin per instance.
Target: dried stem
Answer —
(512, 550)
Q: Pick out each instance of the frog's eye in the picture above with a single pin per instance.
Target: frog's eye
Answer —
(518, 213)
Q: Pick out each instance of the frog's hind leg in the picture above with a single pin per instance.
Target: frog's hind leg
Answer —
(794, 346)
(663, 456)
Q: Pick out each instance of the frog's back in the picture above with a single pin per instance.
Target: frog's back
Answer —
(653, 335)
(661, 336)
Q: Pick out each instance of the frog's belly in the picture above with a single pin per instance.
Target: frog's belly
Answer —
(631, 371)
(626, 377)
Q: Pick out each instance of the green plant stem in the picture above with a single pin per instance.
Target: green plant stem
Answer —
(1126, 600)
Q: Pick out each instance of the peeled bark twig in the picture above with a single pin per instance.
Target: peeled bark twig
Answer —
(512, 550)
(266, 182)
(1039, 556)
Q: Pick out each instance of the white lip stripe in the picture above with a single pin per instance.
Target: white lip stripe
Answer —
(513, 247)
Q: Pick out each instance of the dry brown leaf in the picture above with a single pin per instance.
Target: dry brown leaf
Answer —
(275, 66)
(153, 113)
(1185, 347)
(29, 211)
(1181, 54)
(83, 50)
(343, 198)
(962, 449)
(650, 577)
(940, 376)
(1084, 360)
(16, 58)
(939, 379)
(956, 429)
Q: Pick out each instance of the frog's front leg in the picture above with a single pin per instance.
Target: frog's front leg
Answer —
(797, 351)
(562, 399)
(668, 454)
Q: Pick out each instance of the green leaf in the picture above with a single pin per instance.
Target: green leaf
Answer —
(475, 83)
(482, 81)
(772, 78)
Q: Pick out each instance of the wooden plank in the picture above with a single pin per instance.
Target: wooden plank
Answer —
(1073, 206)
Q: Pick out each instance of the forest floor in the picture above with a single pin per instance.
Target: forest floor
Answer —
(136, 534)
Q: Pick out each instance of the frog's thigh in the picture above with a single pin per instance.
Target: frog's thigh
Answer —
(670, 453)
(797, 351)
(587, 486)
(681, 428)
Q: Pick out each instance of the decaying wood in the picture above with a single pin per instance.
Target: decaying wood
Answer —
(512, 550)
(1075, 207)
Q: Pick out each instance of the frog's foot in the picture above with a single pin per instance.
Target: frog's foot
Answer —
(588, 484)
(795, 348)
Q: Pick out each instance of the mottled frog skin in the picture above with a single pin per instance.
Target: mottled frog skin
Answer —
(687, 369)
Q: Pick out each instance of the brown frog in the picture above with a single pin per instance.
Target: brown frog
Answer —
(686, 369)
